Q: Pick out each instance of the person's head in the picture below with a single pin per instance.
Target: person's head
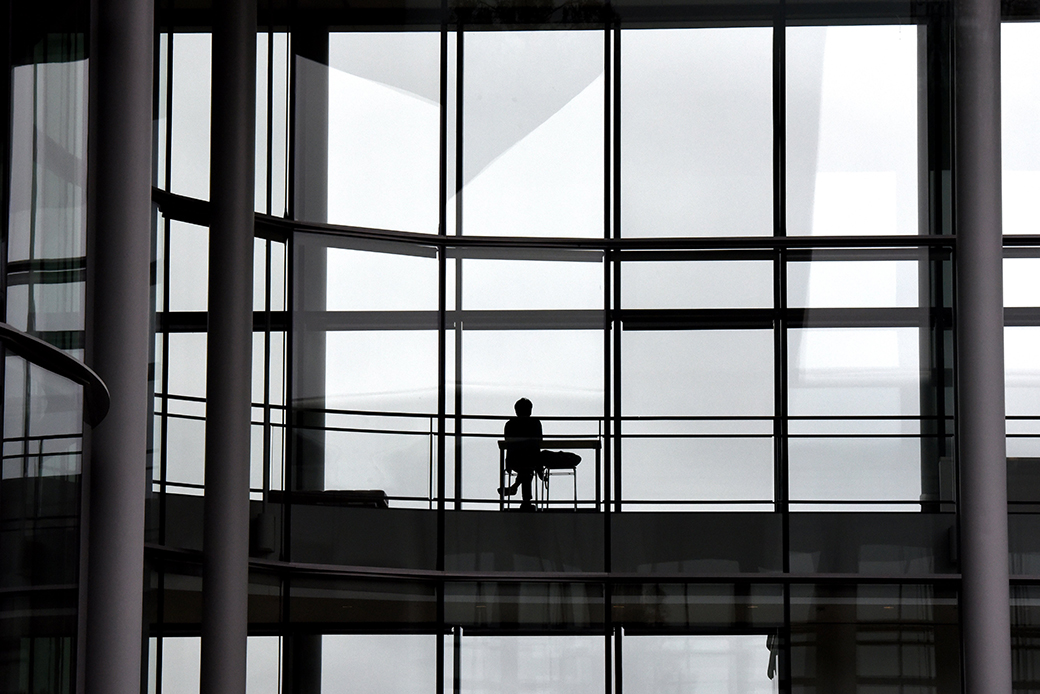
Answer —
(523, 407)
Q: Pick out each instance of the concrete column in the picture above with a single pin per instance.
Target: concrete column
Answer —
(985, 613)
(118, 341)
(225, 569)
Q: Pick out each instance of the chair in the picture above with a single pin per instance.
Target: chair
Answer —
(558, 463)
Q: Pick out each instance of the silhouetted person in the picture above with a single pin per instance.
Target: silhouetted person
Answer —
(523, 435)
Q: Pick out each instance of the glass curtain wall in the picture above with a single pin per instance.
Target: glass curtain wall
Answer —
(725, 286)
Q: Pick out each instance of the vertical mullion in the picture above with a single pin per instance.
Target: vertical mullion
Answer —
(459, 182)
(609, 261)
(164, 389)
(780, 372)
(442, 268)
(269, 203)
(614, 485)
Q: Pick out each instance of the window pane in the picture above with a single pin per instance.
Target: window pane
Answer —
(854, 371)
(533, 133)
(716, 663)
(367, 281)
(1020, 138)
(189, 267)
(532, 284)
(697, 137)
(697, 372)
(384, 130)
(189, 161)
(1022, 389)
(853, 284)
(852, 114)
(697, 284)
(378, 663)
(528, 664)
(560, 371)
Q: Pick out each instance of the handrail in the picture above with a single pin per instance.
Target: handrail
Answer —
(96, 398)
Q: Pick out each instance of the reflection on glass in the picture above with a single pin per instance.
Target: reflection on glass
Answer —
(852, 115)
(697, 284)
(853, 284)
(696, 606)
(1020, 138)
(533, 133)
(488, 605)
(874, 638)
(42, 427)
(46, 235)
(525, 664)
(383, 130)
(697, 137)
(723, 663)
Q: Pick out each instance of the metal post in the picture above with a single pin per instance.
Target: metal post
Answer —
(118, 344)
(225, 568)
(985, 613)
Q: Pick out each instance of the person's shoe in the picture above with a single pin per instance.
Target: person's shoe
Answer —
(527, 506)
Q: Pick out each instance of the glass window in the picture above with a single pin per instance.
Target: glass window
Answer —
(189, 142)
(560, 371)
(1022, 390)
(189, 267)
(533, 133)
(383, 130)
(852, 121)
(853, 284)
(1020, 138)
(377, 663)
(524, 664)
(369, 281)
(697, 137)
(697, 284)
(1020, 282)
(717, 663)
(499, 284)
(697, 407)
(855, 394)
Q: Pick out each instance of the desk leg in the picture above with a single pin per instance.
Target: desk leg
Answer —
(599, 481)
